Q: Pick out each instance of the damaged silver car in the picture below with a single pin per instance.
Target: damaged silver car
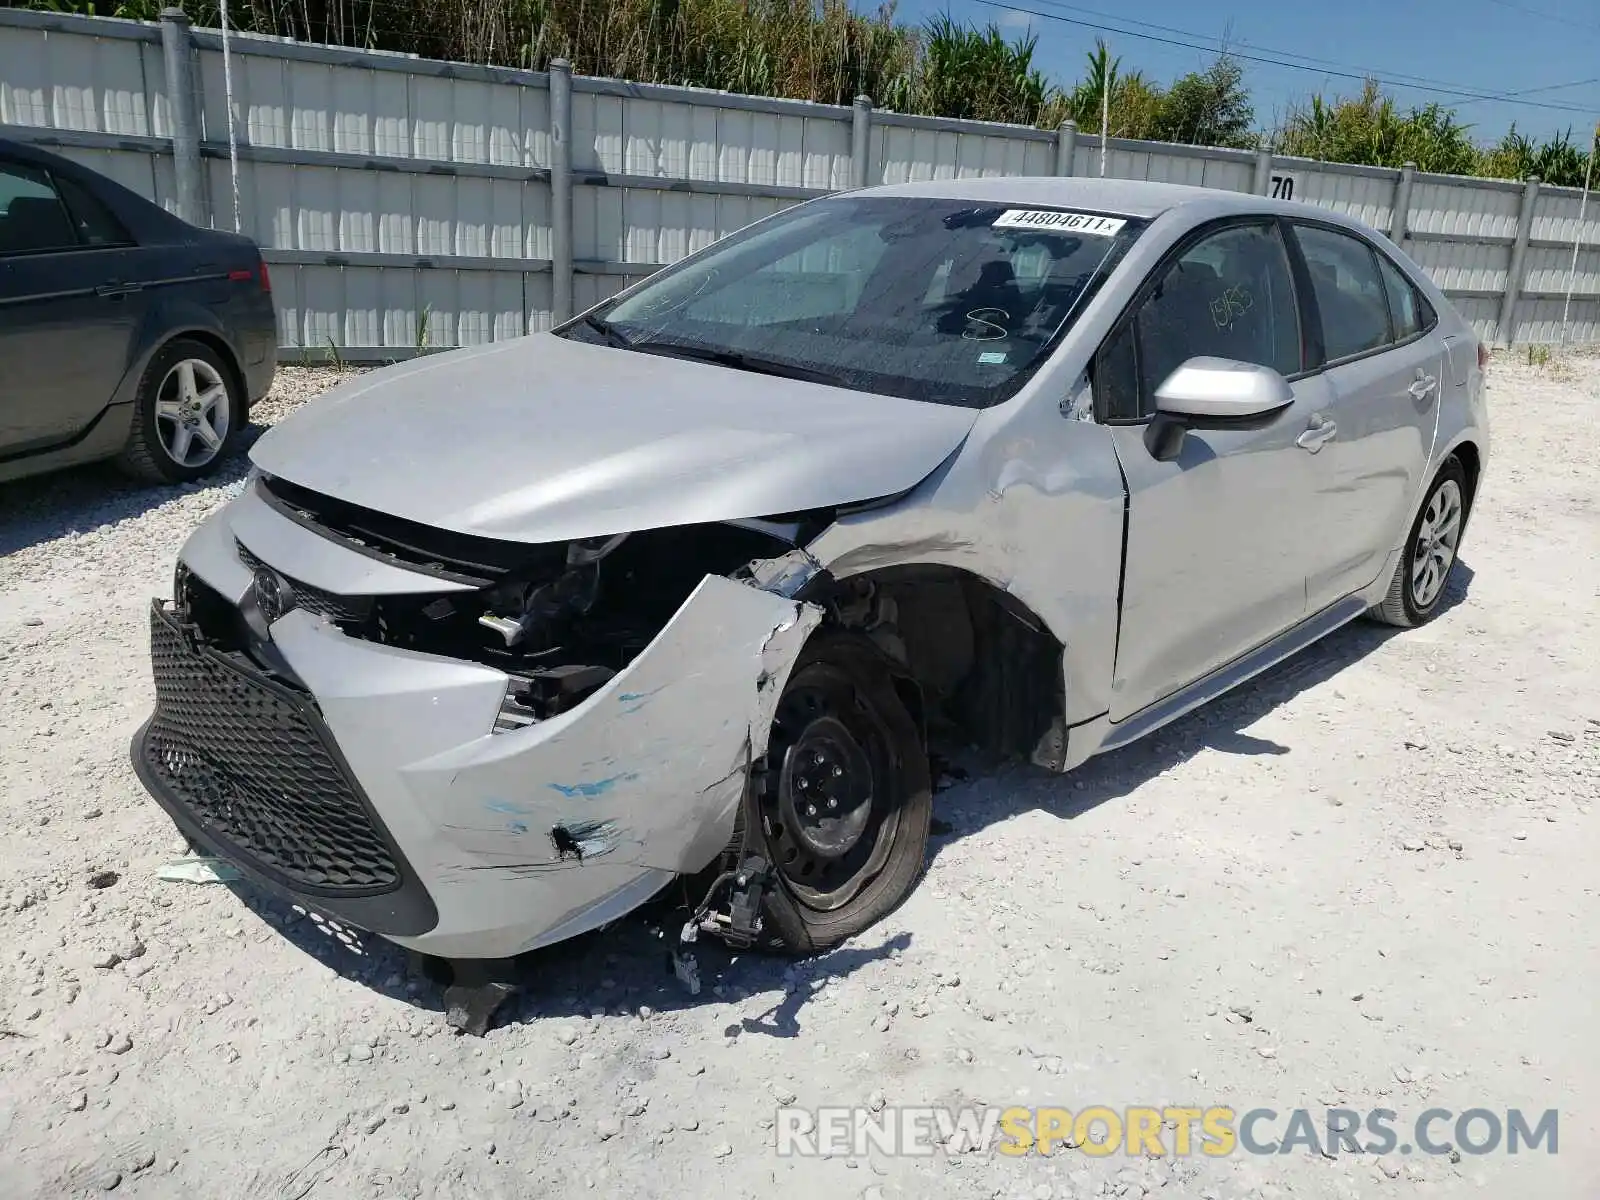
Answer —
(496, 644)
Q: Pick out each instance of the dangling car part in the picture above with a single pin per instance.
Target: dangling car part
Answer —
(1025, 464)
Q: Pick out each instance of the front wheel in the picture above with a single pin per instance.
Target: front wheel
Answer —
(846, 797)
(1419, 580)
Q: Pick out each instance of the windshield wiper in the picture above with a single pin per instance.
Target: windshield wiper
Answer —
(740, 361)
(608, 331)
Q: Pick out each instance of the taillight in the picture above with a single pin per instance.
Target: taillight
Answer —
(245, 276)
(1483, 356)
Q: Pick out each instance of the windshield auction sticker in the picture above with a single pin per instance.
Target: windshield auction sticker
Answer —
(1066, 222)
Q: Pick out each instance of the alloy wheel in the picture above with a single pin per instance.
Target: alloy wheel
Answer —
(1434, 552)
(192, 412)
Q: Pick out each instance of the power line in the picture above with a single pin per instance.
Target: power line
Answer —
(1516, 97)
(1534, 12)
(1454, 91)
(1223, 45)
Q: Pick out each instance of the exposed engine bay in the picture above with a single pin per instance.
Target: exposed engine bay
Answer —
(563, 618)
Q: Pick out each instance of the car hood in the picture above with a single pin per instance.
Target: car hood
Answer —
(544, 439)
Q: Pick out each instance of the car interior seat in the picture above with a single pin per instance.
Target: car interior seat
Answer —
(982, 283)
(1179, 323)
(34, 223)
(1349, 324)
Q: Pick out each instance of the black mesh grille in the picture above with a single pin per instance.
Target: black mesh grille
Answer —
(313, 599)
(253, 763)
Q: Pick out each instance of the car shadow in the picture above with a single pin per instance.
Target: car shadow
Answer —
(1219, 726)
(617, 969)
(75, 500)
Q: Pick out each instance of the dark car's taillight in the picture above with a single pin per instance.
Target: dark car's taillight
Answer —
(260, 272)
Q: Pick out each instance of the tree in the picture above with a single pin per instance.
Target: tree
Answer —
(1134, 100)
(1208, 108)
(1370, 129)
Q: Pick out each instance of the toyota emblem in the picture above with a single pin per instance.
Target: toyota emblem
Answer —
(273, 596)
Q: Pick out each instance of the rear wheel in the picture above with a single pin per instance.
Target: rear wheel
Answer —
(186, 417)
(846, 798)
(1418, 586)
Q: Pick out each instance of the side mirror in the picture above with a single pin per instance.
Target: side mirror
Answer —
(1214, 393)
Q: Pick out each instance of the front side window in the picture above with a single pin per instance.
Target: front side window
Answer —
(1230, 295)
(1349, 291)
(32, 217)
(942, 300)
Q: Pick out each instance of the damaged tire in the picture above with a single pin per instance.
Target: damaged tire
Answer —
(844, 804)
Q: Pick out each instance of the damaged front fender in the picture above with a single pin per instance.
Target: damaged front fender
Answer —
(577, 816)
(651, 768)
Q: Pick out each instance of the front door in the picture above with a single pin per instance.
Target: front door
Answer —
(1216, 542)
(1386, 368)
(67, 318)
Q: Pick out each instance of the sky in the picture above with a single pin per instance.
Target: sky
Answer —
(1480, 47)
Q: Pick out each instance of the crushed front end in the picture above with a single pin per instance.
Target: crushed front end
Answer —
(472, 747)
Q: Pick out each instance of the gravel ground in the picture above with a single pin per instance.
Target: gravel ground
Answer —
(1367, 880)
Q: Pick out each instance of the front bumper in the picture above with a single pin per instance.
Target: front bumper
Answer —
(381, 795)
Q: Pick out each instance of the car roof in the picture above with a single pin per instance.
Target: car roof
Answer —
(147, 221)
(28, 152)
(1124, 197)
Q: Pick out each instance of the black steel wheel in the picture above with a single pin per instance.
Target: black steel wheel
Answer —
(845, 799)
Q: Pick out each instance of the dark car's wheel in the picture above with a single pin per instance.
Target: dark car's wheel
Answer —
(1419, 580)
(187, 415)
(846, 800)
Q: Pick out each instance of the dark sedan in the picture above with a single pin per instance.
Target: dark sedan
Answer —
(125, 332)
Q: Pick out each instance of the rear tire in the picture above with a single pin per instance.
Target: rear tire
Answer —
(846, 800)
(187, 415)
(1421, 576)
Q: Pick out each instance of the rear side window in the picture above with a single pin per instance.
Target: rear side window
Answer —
(93, 220)
(1403, 311)
(32, 217)
(1230, 295)
(1349, 291)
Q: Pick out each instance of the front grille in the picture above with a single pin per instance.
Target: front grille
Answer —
(254, 764)
(352, 609)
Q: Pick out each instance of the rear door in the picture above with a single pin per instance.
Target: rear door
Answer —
(1385, 367)
(68, 307)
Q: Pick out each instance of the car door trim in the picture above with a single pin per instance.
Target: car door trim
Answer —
(1230, 675)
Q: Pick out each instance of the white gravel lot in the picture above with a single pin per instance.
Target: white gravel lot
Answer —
(1367, 880)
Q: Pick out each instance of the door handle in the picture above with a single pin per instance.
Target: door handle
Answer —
(113, 290)
(1317, 435)
(1423, 386)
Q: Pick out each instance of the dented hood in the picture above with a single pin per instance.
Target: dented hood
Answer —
(545, 439)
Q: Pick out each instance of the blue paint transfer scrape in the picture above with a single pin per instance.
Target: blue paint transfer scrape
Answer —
(597, 787)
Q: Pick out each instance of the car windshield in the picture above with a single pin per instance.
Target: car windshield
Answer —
(941, 300)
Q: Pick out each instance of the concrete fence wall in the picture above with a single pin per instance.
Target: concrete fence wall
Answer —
(407, 204)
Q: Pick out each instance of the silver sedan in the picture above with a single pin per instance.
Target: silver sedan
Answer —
(498, 643)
